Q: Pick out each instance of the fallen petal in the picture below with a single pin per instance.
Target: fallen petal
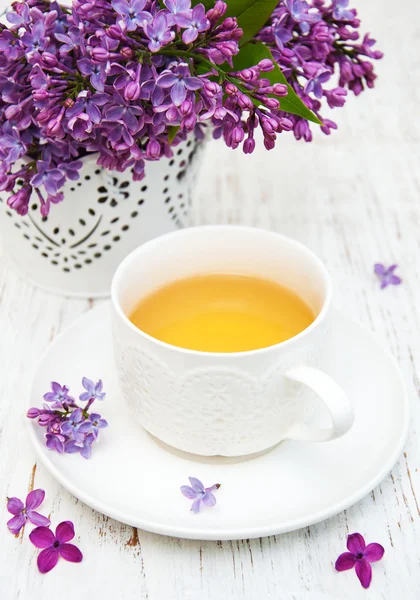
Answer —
(356, 543)
(65, 532)
(38, 519)
(14, 505)
(34, 499)
(373, 552)
(71, 553)
(188, 492)
(209, 499)
(364, 572)
(196, 484)
(16, 523)
(47, 559)
(379, 269)
(195, 508)
(42, 537)
(345, 561)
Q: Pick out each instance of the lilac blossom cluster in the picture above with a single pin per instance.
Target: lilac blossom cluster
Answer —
(313, 41)
(70, 428)
(130, 78)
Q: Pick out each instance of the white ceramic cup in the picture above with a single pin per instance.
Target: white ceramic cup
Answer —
(229, 404)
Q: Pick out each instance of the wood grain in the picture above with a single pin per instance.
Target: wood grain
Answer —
(354, 199)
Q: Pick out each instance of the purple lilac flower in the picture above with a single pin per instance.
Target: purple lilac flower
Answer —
(13, 145)
(58, 395)
(51, 179)
(180, 83)
(83, 447)
(340, 11)
(195, 23)
(26, 512)
(158, 33)
(72, 425)
(51, 59)
(386, 275)
(177, 8)
(54, 546)
(360, 556)
(97, 72)
(199, 494)
(315, 85)
(93, 425)
(55, 441)
(299, 11)
(36, 40)
(69, 428)
(132, 13)
(93, 390)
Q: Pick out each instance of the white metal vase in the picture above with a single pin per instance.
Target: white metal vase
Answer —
(104, 216)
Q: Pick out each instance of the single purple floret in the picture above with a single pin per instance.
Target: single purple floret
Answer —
(180, 83)
(340, 11)
(70, 427)
(59, 394)
(132, 13)
(315, 85)
(360, 556)
(386, 275)
(55, 546)
(84, 447)
(55, 441)
(177, 8)
(51, 179)
(195, 23)
(299, 12)
(199, 494)
(93, 390)
(97, 72)
(158, 32)
(26, 512)
(93, 425)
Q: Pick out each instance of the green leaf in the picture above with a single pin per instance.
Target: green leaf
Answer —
(173, 130)
(252, 15)
(249, 56)
(252, 18)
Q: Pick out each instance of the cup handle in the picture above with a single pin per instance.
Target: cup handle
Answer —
(334, 397)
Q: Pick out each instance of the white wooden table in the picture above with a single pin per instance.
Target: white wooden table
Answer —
(354, 199)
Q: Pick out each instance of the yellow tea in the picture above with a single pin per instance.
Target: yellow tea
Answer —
(222, 313)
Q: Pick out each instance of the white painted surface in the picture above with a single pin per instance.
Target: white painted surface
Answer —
(354, 199)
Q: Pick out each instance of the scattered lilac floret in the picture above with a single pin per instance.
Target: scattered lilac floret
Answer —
(360, 556)
(26, 512)
(54, 546)
(199, 494)
(387, 276)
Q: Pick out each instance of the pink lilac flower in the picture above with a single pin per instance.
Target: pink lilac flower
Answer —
(360, 556)
(26, 512)
(54, 546)
(199, 494)
(387, 276)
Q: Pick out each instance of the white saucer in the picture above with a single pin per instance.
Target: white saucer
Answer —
(133, 478)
